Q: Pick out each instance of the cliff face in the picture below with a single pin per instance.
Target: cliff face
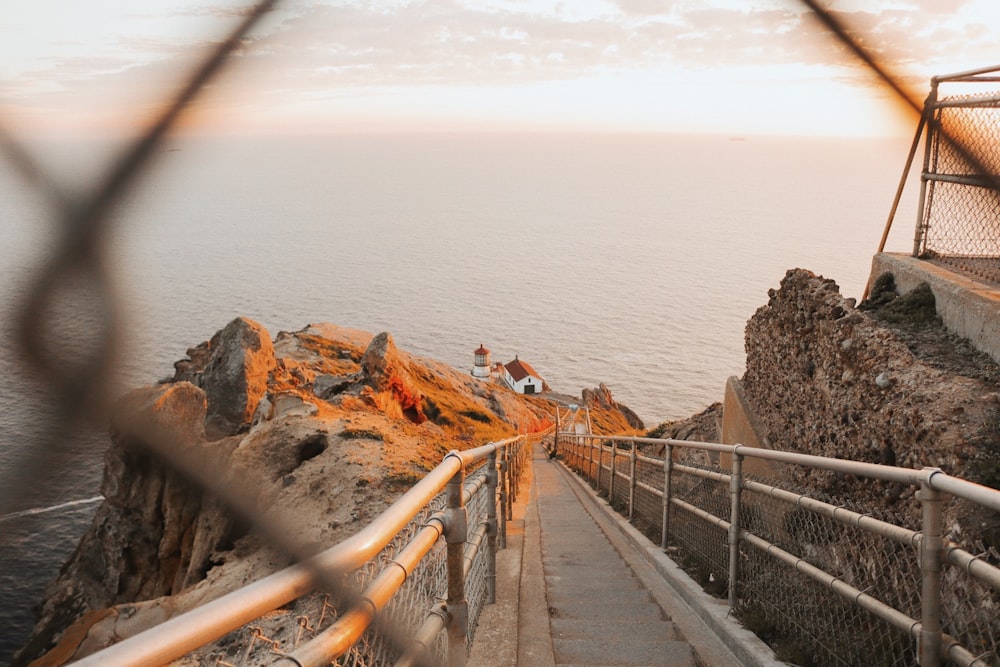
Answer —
(319, 429)
(826, 378)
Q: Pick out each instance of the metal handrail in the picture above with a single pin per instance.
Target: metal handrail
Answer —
(932, 548)
(189, 631)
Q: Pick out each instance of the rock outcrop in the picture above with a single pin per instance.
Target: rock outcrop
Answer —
(313, 435)
(156, 533)
(706, 426)
(233, 370)
(600, 399)
(392, 388)
(826, 378)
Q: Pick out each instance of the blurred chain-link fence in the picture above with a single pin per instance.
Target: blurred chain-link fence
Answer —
(960, 207)
(76, 270)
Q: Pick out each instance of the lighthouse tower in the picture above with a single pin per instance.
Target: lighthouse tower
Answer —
(482, 366)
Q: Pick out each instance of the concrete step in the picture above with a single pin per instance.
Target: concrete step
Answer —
(575, 628)
(599, 608)
(607, 565)
(556, 581)
(572, 593)
(612, 652)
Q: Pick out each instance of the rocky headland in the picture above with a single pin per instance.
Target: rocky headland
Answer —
(318, 430)
(325, 426)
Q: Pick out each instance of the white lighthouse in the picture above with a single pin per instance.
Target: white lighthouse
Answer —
(481, 369)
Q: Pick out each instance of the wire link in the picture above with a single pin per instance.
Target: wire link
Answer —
(961, 215)
(77, 264)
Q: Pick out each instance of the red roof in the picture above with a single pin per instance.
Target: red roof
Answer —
(521, 369)
(481, 350)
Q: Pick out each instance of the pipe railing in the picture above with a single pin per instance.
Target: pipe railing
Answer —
(496, 473)
(588, 455)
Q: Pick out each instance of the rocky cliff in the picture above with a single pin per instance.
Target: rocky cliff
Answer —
(884, 383)
(313, 434)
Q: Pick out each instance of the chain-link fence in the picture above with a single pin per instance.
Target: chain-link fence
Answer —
(823, 581)
(960, 210)
(390, 609)
(77, 269)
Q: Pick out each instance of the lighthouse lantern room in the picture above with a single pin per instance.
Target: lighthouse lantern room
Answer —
(481, 369)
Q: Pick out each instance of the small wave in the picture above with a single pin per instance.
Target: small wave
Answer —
(53, 508)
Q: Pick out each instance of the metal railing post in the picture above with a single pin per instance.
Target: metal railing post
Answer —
(555, 437)
(919, 237)
(456, 532)
(735, 490)
(931, 545)
(611, 484)
(491, 528)
(631, 483)
(668, 468)
(502, 478)
(590, 463)
(511, 461)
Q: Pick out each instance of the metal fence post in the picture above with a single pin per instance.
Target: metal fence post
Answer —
(511, 461)
(631, 483)
(590, 458)
(491, 528)
(456, 532)
(611, 484)
(555, 437)
(930, 568)
(502, 479)
(668, 468)
(932, 130)
(735, 489)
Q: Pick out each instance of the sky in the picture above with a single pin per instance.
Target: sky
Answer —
(711, 66)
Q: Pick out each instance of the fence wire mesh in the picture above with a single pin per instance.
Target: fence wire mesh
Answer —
(81, 390)
(424, 588)
(805, 621)
(960, 226)
(828, 629)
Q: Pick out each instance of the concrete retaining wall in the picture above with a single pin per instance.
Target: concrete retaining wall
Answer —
(968, 308)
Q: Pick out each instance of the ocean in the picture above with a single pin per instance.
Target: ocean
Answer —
(633, 260)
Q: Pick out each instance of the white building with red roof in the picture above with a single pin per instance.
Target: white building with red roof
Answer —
(522, 378)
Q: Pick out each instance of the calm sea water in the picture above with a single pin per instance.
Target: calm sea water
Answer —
(630, 260)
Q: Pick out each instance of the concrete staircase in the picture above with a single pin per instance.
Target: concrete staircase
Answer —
(599, 613)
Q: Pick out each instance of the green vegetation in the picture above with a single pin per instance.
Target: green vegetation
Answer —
(361, 434)
(914, 310)
(400, 481)
(660, 430)
(431, 409)
(476, 415)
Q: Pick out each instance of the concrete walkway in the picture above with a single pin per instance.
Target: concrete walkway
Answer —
(578, 585)
(599, 614)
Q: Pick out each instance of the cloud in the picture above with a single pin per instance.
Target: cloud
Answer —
(438, 41)
(323, 50)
